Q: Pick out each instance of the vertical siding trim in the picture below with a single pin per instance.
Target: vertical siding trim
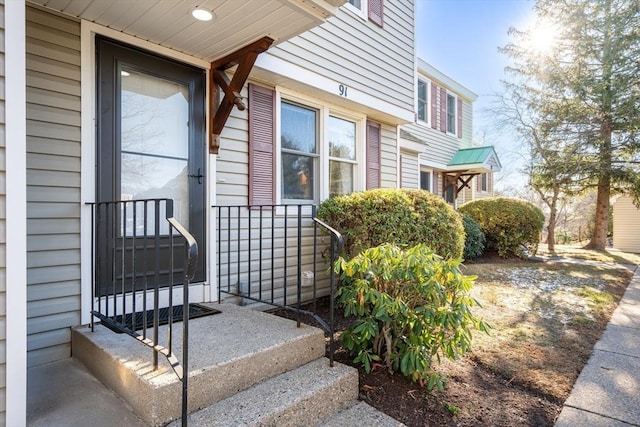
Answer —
(374, 141)
(16, 217)
(262, 143)
(459, 117)
(434, 106)
(376, 11)
(443, 110)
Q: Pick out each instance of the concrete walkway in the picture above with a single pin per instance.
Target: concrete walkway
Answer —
(607, 392)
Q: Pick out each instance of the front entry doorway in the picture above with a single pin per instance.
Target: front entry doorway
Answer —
(150, 145)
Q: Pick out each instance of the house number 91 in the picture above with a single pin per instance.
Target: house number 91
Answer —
(343, 90)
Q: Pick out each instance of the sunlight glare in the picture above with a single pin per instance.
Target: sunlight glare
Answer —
(543, 38)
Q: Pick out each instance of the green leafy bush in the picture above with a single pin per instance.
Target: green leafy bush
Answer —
(474, 240)
(411, 305)
(512, 227)
(401, 216)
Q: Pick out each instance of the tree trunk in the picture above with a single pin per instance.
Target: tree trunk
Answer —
(598, 241)
(553, 214)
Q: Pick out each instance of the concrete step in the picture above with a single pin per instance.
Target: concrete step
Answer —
(360, 414)
(304, 396)
(229, 352)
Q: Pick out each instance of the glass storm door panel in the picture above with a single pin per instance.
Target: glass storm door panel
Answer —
(151, 145)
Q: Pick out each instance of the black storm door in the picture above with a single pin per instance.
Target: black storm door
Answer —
(151, 145)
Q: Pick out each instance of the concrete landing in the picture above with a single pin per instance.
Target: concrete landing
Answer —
(229, 352)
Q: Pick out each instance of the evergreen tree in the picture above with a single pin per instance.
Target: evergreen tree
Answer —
(584, 91)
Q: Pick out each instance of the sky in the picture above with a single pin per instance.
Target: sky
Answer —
(461, 39)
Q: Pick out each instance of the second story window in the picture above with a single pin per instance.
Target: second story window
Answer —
(423, 101)
(451, 114)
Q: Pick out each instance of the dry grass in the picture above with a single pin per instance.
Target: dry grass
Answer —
(546, 317)
(576, 251)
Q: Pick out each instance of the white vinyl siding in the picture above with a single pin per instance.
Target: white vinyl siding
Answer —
(3, 236)
(388, 157)
(440, 147)
(53, 184)
(626, 225)
(359, 54)
(410, 170)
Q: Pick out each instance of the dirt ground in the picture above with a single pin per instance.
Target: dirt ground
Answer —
(520, 375)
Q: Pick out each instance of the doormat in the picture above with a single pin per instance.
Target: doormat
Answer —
(195, 311)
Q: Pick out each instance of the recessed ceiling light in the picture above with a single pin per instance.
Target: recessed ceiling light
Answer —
(202, 14)
(124, 73)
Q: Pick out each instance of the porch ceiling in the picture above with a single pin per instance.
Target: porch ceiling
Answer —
(169, 22)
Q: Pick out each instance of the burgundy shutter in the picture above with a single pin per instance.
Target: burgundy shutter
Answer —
(443, 110)
(376, 11)
(262, 107)
(434, 106)
(459, 118)
(373, 154)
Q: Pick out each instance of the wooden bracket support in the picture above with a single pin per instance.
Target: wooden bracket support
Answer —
(244, 58)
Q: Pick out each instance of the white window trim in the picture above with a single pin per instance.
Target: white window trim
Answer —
(455, 114)
(428, 106)
(483, 188)
(363, 12)
(324, 111)
(430, 172)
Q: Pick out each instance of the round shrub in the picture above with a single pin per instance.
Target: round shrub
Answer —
(511, 226)
(401, 216)
(474, 240)
(412, 307)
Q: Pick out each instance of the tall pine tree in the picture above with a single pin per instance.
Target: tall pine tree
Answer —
(585, 93)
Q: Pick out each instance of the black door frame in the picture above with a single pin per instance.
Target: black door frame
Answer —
(111, 55)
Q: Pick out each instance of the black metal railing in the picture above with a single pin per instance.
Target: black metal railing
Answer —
(141, 253)
(279, 255)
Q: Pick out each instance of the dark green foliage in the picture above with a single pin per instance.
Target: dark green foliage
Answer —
(509, 225)
(401, 216)
(412, 306)
(475, 239)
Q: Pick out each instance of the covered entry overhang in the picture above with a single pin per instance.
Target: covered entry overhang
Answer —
(236, 33)
(467, 163)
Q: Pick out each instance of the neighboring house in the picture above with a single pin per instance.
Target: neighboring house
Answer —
(116, 101)
(626, 225)
(437, 152)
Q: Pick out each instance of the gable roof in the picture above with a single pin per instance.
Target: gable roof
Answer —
(476, 159)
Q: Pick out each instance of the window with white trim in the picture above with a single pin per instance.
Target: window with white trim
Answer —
(320, 152)
(484, 182)
(423, 100)
(342, 156)
(359, 6)
(426, 180)
(451, 114)
(300, 154)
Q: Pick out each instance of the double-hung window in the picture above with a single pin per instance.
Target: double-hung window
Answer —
(300, 152)
(320, 152)
(451, 114)
(423, 101)
(342, 156)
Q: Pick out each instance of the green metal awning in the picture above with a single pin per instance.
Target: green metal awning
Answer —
(467, 163)
(475, 160)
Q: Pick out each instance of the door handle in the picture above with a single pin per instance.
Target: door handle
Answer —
(199, 176)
